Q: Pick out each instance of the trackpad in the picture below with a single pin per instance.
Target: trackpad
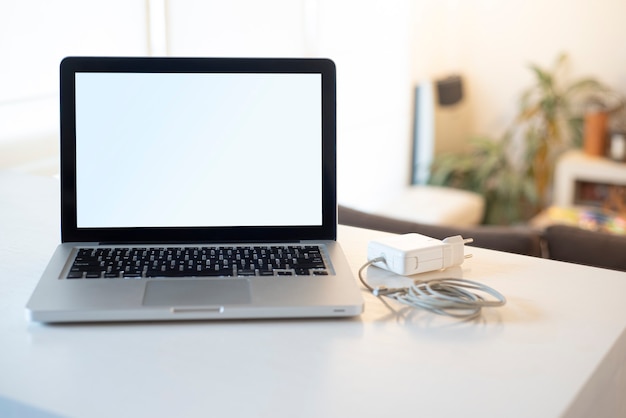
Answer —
(197, 292)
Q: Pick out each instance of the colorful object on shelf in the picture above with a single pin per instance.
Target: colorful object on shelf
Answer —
(594, 219)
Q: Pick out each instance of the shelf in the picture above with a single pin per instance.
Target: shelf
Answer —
(581, 179)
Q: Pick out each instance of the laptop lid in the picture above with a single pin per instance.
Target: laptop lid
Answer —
(197, 149)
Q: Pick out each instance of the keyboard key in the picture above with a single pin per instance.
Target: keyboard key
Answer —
(75, 275)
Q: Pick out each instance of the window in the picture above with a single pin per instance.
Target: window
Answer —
(34, 36)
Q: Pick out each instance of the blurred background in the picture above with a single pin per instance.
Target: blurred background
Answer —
(383, 51)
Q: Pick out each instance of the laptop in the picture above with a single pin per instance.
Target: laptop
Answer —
(196, 189)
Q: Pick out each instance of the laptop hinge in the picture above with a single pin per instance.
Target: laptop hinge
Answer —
(147, 243)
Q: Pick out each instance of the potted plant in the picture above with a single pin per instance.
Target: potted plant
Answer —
(514, 173)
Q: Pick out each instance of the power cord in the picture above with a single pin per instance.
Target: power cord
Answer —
(445, 296)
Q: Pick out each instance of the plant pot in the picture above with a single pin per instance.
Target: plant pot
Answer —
(595, 132)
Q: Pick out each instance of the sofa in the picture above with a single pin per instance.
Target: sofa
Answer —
(557, 242)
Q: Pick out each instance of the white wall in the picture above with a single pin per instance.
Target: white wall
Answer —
(491, 42)
(370, 41)
(382, 47)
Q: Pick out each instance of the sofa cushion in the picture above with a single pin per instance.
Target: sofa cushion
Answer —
(510, 239)
(454, 207)
(576, 245)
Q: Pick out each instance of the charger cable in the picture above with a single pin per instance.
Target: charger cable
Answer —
(454, 297)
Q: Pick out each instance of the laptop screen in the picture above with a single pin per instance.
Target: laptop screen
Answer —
(179, 149)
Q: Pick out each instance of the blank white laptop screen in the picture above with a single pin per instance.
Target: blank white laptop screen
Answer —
(198, 149)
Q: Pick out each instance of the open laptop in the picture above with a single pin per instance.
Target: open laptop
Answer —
(196, 188)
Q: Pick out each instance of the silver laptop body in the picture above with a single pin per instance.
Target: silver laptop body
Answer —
(175, 172)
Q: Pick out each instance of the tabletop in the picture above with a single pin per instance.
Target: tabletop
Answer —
(556, 349)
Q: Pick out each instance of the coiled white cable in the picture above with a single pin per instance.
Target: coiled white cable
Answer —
(458, 298)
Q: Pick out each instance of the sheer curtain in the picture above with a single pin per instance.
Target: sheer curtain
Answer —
(34, 36)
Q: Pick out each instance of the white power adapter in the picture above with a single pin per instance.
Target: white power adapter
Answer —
(415, 253)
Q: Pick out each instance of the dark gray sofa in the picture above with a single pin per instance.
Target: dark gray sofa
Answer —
(558, 242)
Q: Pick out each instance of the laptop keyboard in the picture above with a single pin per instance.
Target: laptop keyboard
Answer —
(223, 261)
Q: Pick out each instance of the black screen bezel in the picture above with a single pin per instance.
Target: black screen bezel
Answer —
(71, 65)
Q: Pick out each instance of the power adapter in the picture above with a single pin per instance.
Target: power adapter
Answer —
(410, 254)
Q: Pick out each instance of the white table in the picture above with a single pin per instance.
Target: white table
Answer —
(557, 349)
